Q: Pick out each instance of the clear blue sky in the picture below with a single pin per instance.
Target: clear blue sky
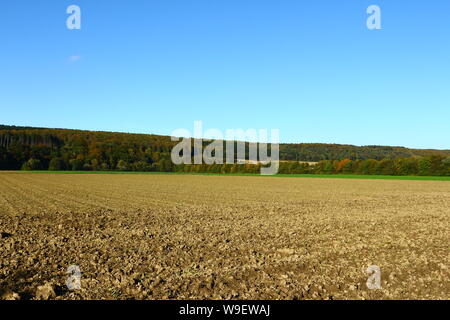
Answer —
(309, 68)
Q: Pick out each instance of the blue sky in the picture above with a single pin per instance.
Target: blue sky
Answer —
(309, 68)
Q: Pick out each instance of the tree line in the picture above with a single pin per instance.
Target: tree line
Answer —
(25, 148)
(435, 165)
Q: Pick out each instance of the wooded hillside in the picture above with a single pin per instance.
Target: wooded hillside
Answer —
(30, 148)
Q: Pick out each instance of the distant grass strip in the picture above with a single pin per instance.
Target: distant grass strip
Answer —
(372, 177)
(327, 176)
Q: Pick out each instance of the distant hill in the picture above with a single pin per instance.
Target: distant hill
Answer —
(288, 152)
(104, 150)
(320, 151)
(28, 148)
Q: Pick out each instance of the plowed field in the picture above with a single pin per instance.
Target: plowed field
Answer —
(222, 237)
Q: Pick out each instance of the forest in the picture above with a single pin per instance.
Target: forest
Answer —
(27, 148)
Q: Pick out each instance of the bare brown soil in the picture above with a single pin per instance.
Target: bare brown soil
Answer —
(219, 237)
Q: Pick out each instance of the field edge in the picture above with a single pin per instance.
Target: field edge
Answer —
(326, 176)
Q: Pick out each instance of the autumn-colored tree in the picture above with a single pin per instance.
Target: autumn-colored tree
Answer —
(340, 165)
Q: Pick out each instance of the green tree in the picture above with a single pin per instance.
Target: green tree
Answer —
(329, 167)
(348, 167)
(141, 166)
(446, 165)
(122, 165)
(437, 166)
(32, 164)
(424, 167)
(104, 166)
(95, 164)
(56, 164)
(76, 164)
(367, 166)
(385, 167)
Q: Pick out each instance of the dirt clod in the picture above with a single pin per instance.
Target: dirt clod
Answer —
(7, 294)
(45, 292)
